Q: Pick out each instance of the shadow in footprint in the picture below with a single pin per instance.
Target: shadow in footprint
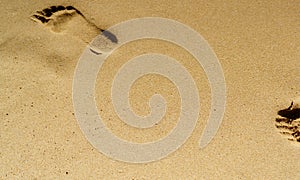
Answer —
(290, 113)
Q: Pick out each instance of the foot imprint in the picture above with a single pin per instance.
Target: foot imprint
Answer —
(69, 20)
(288, 122)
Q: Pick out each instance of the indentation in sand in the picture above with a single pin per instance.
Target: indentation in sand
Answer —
(288, 123)
(68, 20)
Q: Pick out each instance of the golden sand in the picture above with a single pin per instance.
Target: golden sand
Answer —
(257, 44)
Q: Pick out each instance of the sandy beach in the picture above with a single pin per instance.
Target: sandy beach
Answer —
(257, 44)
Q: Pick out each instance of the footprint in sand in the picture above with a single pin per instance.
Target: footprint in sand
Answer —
(289, 121)
(69, 20)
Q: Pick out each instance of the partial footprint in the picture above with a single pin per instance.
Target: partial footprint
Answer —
(69, 20)
(289, 121)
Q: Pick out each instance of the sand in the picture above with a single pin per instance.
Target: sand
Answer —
(257, 44)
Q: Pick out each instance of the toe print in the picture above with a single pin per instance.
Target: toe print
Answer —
(41, 18)
(68, 20)
(53, 13)
(288, 123)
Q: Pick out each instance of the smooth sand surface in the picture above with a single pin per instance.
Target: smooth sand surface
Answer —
(257, 43)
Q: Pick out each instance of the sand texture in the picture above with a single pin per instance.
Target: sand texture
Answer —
(256, 42)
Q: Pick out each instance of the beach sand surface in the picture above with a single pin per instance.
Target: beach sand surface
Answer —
(257, 44)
